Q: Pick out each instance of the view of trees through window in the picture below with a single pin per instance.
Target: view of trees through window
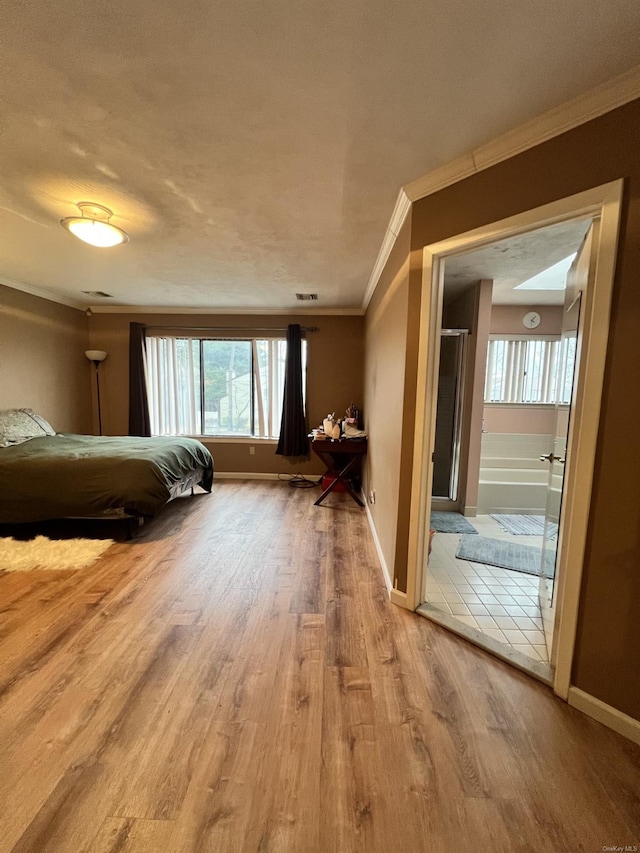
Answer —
(216, 387)
(227, 387)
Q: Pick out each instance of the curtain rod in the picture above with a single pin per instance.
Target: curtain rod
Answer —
(175, 327)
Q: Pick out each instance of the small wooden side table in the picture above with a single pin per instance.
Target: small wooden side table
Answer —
(341, 457)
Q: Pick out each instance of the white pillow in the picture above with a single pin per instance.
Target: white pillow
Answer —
(18, 425)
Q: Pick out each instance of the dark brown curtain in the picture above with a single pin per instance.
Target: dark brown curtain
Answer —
(293, 427)
(139, 422)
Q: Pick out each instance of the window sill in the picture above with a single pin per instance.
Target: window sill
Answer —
(496, 405)
(233, 439)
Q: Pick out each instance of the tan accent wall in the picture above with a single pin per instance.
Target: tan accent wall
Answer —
(603, 150)
(507, 319)
(42, 361)
(518, 420)
(335, 356)
(385, 349)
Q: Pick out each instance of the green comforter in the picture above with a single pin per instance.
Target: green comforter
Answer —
(69, 475)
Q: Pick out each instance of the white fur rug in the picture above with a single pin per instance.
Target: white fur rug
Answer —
(50, 554)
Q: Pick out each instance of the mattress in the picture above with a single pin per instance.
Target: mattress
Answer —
(82, 475)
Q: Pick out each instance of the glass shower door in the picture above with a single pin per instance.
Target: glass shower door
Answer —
(446, 456)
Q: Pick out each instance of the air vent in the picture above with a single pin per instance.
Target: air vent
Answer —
(98, 293)
(306, 297)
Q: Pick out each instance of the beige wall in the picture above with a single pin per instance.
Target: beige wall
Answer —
(42, 361)
(385, 348)
(507, 320)
(335, 355)
(608, 642)
(517, 419)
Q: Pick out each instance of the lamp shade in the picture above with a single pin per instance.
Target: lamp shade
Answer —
(102, 235)
(95, 354)
(93, 226)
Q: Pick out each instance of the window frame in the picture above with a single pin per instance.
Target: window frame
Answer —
(249, 437)
(557, 339)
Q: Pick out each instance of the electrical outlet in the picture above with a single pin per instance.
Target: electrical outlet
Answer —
(372, 496)
(252, 451)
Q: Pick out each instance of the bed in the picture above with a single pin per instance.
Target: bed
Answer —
(48, 475)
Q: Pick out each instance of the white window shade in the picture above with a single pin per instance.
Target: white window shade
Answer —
(530, 370)
(226, 387)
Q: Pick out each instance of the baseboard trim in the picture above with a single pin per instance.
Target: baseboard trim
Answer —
(396, 596)
(242, 475)
(605, 714)
(399, 598)
(374, 533)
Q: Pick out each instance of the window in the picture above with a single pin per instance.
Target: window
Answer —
(203, 386)
(530, 370)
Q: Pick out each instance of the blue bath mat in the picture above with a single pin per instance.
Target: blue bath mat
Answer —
(524, 525)
(451, 522)
(505, 555)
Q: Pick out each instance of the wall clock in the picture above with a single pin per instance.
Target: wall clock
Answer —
(531, 320)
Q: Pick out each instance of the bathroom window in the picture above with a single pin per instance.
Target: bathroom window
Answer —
(530, 370)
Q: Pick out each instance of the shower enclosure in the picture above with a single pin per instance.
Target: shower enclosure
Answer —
(446, 456)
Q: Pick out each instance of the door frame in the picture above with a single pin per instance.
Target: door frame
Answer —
(605, 203)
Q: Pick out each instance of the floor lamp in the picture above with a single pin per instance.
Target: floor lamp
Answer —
(96, 356)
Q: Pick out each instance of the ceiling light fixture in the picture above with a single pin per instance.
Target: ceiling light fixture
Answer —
(93, 226)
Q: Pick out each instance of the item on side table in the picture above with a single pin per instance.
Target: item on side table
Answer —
(352, 416)
(331, 427)
(353, 431)
(342, 459)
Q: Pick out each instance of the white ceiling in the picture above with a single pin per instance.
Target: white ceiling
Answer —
(254, 150)
(512, 261)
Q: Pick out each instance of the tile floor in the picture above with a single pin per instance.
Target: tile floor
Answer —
(503, 604)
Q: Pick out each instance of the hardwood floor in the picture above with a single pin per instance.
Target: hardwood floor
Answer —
(235, 679)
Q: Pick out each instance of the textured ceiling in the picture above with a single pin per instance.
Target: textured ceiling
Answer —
(254, 150)
(512, 261)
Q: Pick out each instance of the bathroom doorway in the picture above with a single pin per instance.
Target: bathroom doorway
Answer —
(493, 570)
(473, 583)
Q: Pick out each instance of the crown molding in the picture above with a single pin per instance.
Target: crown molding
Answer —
(610, 95)
(615, 93)
(440, 178)
(156, 309)
(604, 98)
(42, 294)
(50, 296)
(400, 212)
